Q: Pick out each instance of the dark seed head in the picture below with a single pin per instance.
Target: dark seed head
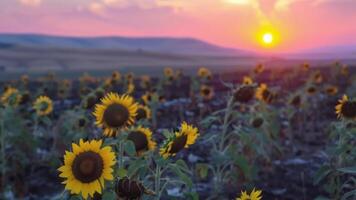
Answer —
(141, 114)
(178, 144)
(296, 101)
(267, 95)
(116, 115)
(139, 139)
(87, 166)
(129, 189)
(244, 94)
(348, 109)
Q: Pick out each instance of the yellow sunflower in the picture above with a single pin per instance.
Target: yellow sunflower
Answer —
(168, 72)
(259, 69)
(129, 77)
(43, 106)
(204, 72)
(116, 76)
(115, 112)
(143, 112)
(255, 195)
(206, 92)
(142, 138)
(346, 108)
(145, 81)
(247, 80)
(130, 88)
(244, 93)
(87, 167)
(181, 139)
(147, 98)
(264, 94)
(11, 97)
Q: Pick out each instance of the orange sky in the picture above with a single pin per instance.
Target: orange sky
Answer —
(296, 24)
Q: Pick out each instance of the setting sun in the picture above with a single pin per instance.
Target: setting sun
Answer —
(267, 38)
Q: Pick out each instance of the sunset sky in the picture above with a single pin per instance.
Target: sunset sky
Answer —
(295, 24)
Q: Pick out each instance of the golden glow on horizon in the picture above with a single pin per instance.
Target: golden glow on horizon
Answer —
(267, 38)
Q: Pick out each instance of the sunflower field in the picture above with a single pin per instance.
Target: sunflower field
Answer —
(265, 133)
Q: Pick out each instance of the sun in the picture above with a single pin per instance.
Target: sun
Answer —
(267, 38)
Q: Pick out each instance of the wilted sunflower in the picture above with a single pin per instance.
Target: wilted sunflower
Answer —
(181, 139)
(244, 93)
(246, 80)
(11, 97)
(331, 90)
(142, 138)
(206, 92)
(264, 94)
(87, 167)
(346, 108)
(43, 106)
(255, 195)
(259, 69)
(143, 112)
(204, 73)
(129, 189)
(115, 112)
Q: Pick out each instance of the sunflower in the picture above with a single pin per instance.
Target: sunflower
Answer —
(318, 78)
(259, 69)
(246, 80)
(115, 112)
(130, 88)
(147, 98)
(43, 106)
(311, 90)
(127, 188)
(257, 122)
(181, 139)
(143, 112)
(204, 73)
(25, 98)
(145, 81)
(255, 195)
(331, 90)
(296, 100)
(306, 66)
(89, 101)
(344, 70)
(129, 77)
(264, 94)
(168, 72)
(25, 79)
(116, 76)
(244, 93)
(87, 167)
(206, 92)
(346, 108)
(142, 138)
(11, 97)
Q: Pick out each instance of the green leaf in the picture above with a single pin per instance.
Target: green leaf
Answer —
(348, 170)
(185, 178)
(109, 195)
(349, 194)
(122, 172)
(321, 174)
(202, 170)
(130, 148)
(167, 134)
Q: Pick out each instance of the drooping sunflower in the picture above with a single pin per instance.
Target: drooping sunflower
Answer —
(264, 94)
(87, 167)
(11, 97)
(244, 93)
(181, 139)
(254, 195)
(142, 138)
(143, 112)
(115, 112)
(331, 90)
(206, 92)
(247, 80)
(43, 105)
(346, 108)
(204, 72)
(259, 69)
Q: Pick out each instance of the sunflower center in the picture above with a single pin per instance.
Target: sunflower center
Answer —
(129, 188)
(116, 115)
(178, 144)
(141, 114)
(296, 101)
(43, 106)
(244, 94)
(87, 166)
(206, 91)
(139, 139)
(349, 109)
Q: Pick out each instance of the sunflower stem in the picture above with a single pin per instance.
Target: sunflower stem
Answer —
(3, 158)
(158, 182)
(121, 154)
(226, 122)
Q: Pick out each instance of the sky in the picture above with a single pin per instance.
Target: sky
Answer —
(295, 24)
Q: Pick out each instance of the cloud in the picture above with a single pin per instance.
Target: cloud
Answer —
(97, 8)
(31, 2)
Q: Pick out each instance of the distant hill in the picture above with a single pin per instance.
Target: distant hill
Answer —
(182, 46)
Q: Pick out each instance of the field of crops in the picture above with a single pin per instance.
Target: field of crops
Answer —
(267, 133)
